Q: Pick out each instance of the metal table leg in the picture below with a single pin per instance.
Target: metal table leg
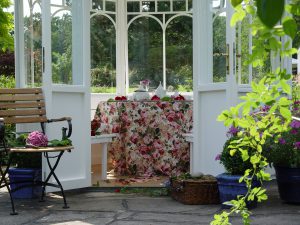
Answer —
(52, 173)
(6, 184)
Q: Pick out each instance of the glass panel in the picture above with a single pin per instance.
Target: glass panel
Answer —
(110, 6)
(179, 5)
(133, 6)
(219, 48)
(97, 4)
(190, 5)
(148, 6)
(61, 43)
(33, 44)
(259, 72)
(179, 49)
(242, 50)
(57, 2)
(145, 52)
(103, 55)
(163, 6)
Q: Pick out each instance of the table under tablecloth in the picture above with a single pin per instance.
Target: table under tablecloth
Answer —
(150, 140)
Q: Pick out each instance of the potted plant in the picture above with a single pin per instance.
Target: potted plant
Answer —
(284, 154)
(27, 167)
(229, 183)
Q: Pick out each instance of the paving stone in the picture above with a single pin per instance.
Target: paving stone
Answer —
(168, 217)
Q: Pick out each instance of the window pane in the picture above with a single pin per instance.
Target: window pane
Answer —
(97, 4)
(33, 44)
(179, 5)
(219, 48)
(180, 54)
(259, 72)
(243, 38)
(148, 6)
(133, 6)
(145, 52)
(61, 32)
(163, 6)
(110, 6)
(103, 55)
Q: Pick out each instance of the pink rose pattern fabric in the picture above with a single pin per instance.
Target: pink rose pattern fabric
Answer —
(150, 141)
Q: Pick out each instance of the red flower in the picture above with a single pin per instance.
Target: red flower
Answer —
(120, 98)
(179, 97)
(117, 190)
(155, 98)
(116, 128)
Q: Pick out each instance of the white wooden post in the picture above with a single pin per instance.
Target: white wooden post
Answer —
(121, 47)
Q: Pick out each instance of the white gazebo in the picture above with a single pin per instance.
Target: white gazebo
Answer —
(68, 86)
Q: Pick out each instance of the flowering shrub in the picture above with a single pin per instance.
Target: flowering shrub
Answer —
(37, 139)
(285, 152)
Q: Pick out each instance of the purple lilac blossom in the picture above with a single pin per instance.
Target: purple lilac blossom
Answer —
(295, 124)
(293, 131)
(218, 157)
(265, 108)
(282, 141)
(296, 102)
(297, 145)
(233, 130)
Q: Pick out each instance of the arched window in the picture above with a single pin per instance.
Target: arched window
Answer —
(103, 46)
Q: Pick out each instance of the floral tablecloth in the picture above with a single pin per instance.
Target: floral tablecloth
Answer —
(150, 140)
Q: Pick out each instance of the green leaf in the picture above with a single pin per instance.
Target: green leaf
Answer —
(289, 26)
(245, 155)
(232, 152)
(270, 11)
(284, 101)
(234, 3)
(285, 112)
(285, 87)
(250, 9)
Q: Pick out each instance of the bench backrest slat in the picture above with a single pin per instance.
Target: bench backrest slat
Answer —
(22, 105)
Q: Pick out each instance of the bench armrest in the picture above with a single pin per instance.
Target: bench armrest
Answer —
(64, 129)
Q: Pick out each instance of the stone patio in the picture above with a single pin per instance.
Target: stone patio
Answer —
(94, 206)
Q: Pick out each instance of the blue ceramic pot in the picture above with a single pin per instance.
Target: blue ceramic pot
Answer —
(288, 181)
(30, 177)
(230, 188)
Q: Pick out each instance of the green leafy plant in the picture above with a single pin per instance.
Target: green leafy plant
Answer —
(233, 164)
(6, 26)
(23, 160)
(271, 91)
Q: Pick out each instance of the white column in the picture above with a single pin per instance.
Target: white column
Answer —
(121, 47)
(19, 44)
(201, 38)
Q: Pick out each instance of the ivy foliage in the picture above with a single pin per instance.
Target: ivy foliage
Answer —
(271, 91)
(6, 26)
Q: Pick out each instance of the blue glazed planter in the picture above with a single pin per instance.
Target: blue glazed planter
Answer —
(18, 175)
(230, 188)
(288, 181)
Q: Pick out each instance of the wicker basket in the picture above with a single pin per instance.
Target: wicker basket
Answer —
(195, 192)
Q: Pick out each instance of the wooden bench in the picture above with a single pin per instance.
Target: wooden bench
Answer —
(27, 105)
